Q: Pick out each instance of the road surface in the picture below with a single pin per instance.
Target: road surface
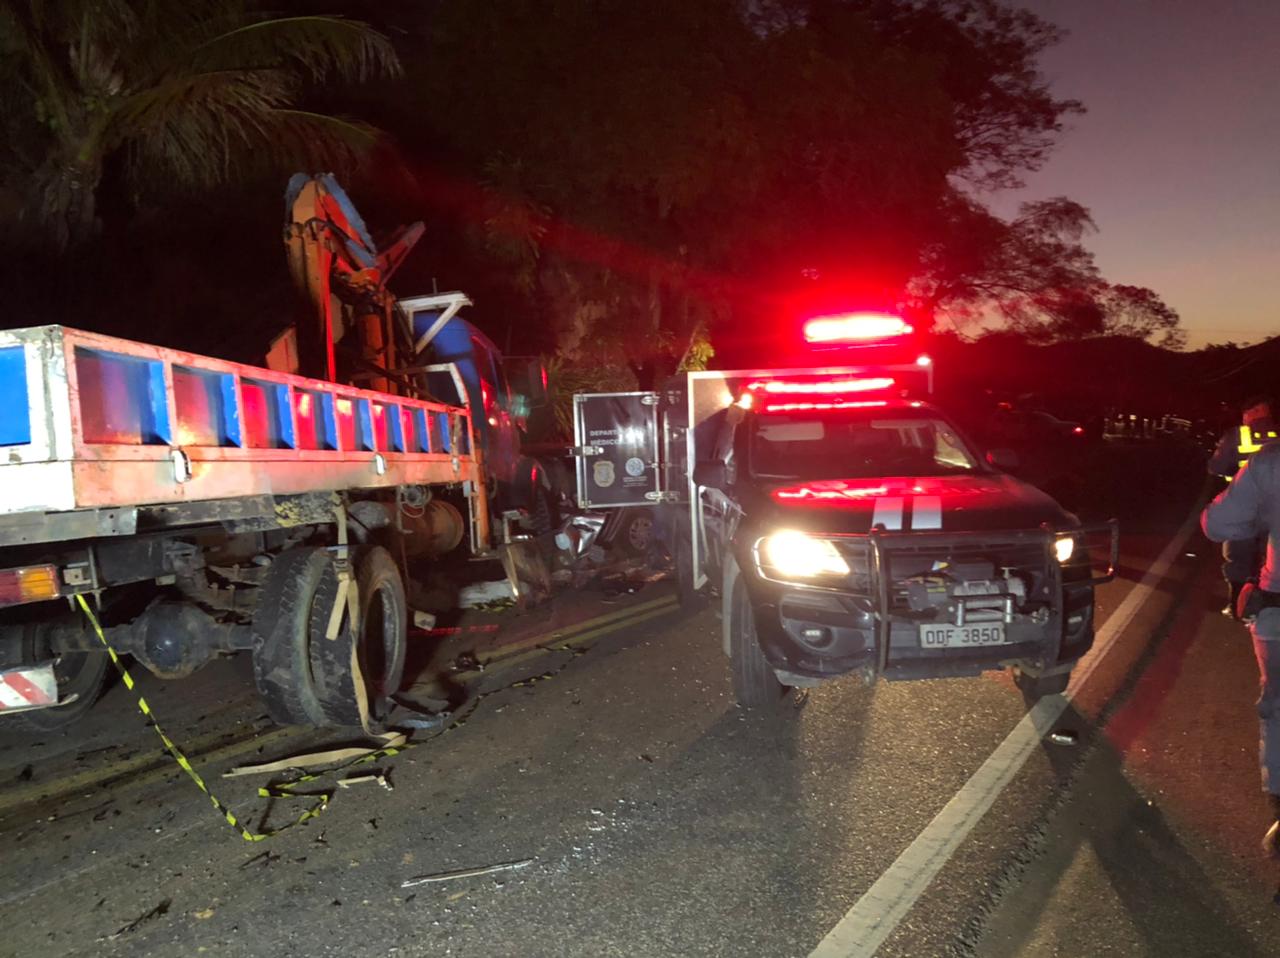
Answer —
(657, 818)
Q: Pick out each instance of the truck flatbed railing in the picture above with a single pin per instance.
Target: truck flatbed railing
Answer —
(93, 422)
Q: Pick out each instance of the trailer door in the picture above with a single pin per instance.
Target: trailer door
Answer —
(616, 454)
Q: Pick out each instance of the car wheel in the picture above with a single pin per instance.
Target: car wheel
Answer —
(634, 534)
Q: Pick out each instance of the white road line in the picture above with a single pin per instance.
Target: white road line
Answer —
(877, 913)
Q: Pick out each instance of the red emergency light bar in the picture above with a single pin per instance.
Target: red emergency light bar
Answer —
(824, 406)
(776, 387)
(856, 328)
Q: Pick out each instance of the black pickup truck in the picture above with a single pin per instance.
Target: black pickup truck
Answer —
(868, 535)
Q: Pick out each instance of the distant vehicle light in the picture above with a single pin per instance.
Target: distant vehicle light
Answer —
(1078, 431)
(794, 555)
(824, 406)
(855, 328)
(923, 360)
(1064, 547)
(776, 387)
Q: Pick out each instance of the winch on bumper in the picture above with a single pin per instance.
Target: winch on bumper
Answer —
(925, 605)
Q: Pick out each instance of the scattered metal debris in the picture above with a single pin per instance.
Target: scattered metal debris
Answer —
(466, 873)
(379, 777)
(160, 910)
(1064, 736)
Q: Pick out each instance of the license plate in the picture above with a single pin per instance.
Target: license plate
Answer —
(962, 636)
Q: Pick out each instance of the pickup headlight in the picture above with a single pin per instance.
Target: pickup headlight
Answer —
(794, 555)
(1064, 547)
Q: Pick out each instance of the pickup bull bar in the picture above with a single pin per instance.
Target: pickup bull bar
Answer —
(879, 542)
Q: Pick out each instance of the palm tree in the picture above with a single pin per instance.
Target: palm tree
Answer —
(183, 92)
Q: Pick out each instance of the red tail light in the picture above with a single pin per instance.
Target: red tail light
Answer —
(30, 584)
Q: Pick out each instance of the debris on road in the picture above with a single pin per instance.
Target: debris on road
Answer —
(1063, 737)
(265, 859)
(466, 873)
(157, 912)
(487, 595)
(378, 777)
(311, 759)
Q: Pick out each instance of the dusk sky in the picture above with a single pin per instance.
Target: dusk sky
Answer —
(1178, 156)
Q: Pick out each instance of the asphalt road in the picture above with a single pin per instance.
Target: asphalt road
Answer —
(657, 818)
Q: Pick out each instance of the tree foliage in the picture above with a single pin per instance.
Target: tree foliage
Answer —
(1034, 275)
(187, 94)
(654, 171)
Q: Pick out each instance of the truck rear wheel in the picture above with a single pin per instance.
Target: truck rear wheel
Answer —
(754, 683)
(288, 602)
(381, 639)
(82, 674)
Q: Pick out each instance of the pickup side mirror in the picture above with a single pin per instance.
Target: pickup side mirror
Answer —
(712, 474)
(1005, 460)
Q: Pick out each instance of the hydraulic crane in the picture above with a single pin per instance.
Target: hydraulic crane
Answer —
(338, 268)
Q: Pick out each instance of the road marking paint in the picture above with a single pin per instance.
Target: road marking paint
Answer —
(875, 915)
(149, 766)
(143, 768)
(555, 641)
(926, 512)
(888, 512)
(558, 635)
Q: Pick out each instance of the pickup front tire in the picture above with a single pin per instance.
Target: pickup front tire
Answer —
(754, 684)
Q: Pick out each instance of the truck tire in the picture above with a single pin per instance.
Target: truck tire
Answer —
(381, 640)
(282, 634)
(83, 674)
(1036, 687)
(754, 684)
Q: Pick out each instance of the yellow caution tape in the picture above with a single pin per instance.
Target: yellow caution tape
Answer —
(282, 791)
(395, 744)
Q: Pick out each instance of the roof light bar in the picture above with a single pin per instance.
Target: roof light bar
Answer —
(775, 387)
(856, 328)
(825, 406)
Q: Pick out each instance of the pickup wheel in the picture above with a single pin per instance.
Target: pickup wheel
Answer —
(754, 683)
(82, 674)
(381, 641)
(1036, 687)
(282, 636)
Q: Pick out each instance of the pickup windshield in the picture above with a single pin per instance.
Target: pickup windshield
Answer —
(855, 444)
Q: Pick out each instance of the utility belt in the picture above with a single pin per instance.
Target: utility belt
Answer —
(1253, 599)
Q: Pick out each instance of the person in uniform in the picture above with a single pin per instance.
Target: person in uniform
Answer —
(1241, 557)
(1247, 509)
